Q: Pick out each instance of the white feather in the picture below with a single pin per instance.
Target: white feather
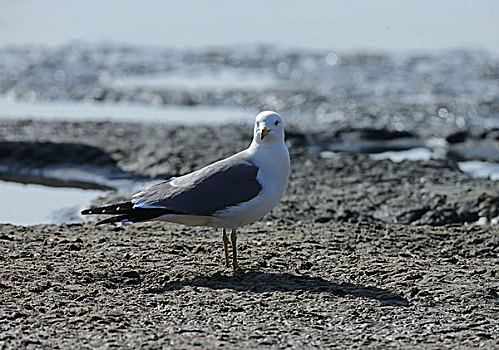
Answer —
(271, 156)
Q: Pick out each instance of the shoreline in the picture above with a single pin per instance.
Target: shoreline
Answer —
(331, 265)
(328, 185)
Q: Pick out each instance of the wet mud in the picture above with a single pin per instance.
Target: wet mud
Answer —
(359, 253)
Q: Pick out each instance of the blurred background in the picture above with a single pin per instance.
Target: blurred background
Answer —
(420, 80)
(320, 24)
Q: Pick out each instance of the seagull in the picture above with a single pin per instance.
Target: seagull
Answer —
(227, 194)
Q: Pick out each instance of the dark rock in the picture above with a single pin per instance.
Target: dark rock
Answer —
(324, 219)
(410, 216)
(384, 134)
(493, 293)
(445, 216)
(74, 247)
(131, 274)
(457, 137)
(307, 265)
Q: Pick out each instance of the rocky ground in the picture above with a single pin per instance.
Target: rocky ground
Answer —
(360, 252)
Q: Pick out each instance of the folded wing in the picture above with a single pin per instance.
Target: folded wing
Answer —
(218, 186)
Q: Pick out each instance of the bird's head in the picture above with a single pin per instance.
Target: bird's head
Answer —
(268, 127)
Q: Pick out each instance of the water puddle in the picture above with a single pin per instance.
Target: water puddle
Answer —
(478, 168)
(418, 153)
(473, 168)
(30, 204)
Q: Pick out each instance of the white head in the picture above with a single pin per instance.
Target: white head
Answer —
(268, 128)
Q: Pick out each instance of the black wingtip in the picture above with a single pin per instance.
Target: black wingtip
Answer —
(119, 208)
(126, 213)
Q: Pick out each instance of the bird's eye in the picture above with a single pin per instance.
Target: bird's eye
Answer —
(276, 122)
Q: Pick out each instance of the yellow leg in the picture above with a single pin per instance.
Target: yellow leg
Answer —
(233, 240)
(225, 240)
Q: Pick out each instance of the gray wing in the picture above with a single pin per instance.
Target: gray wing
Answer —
(205, 191)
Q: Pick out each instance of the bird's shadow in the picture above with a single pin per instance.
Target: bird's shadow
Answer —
(265, 282)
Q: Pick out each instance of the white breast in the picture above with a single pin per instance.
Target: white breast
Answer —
(273, 163)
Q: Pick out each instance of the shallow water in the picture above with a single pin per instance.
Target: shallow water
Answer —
(30, 204)
(417, 153)
(431, 92)
(473, 168)
(124, 112)
(477, 168)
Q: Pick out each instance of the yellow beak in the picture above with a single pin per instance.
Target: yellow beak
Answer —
(264, 132)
